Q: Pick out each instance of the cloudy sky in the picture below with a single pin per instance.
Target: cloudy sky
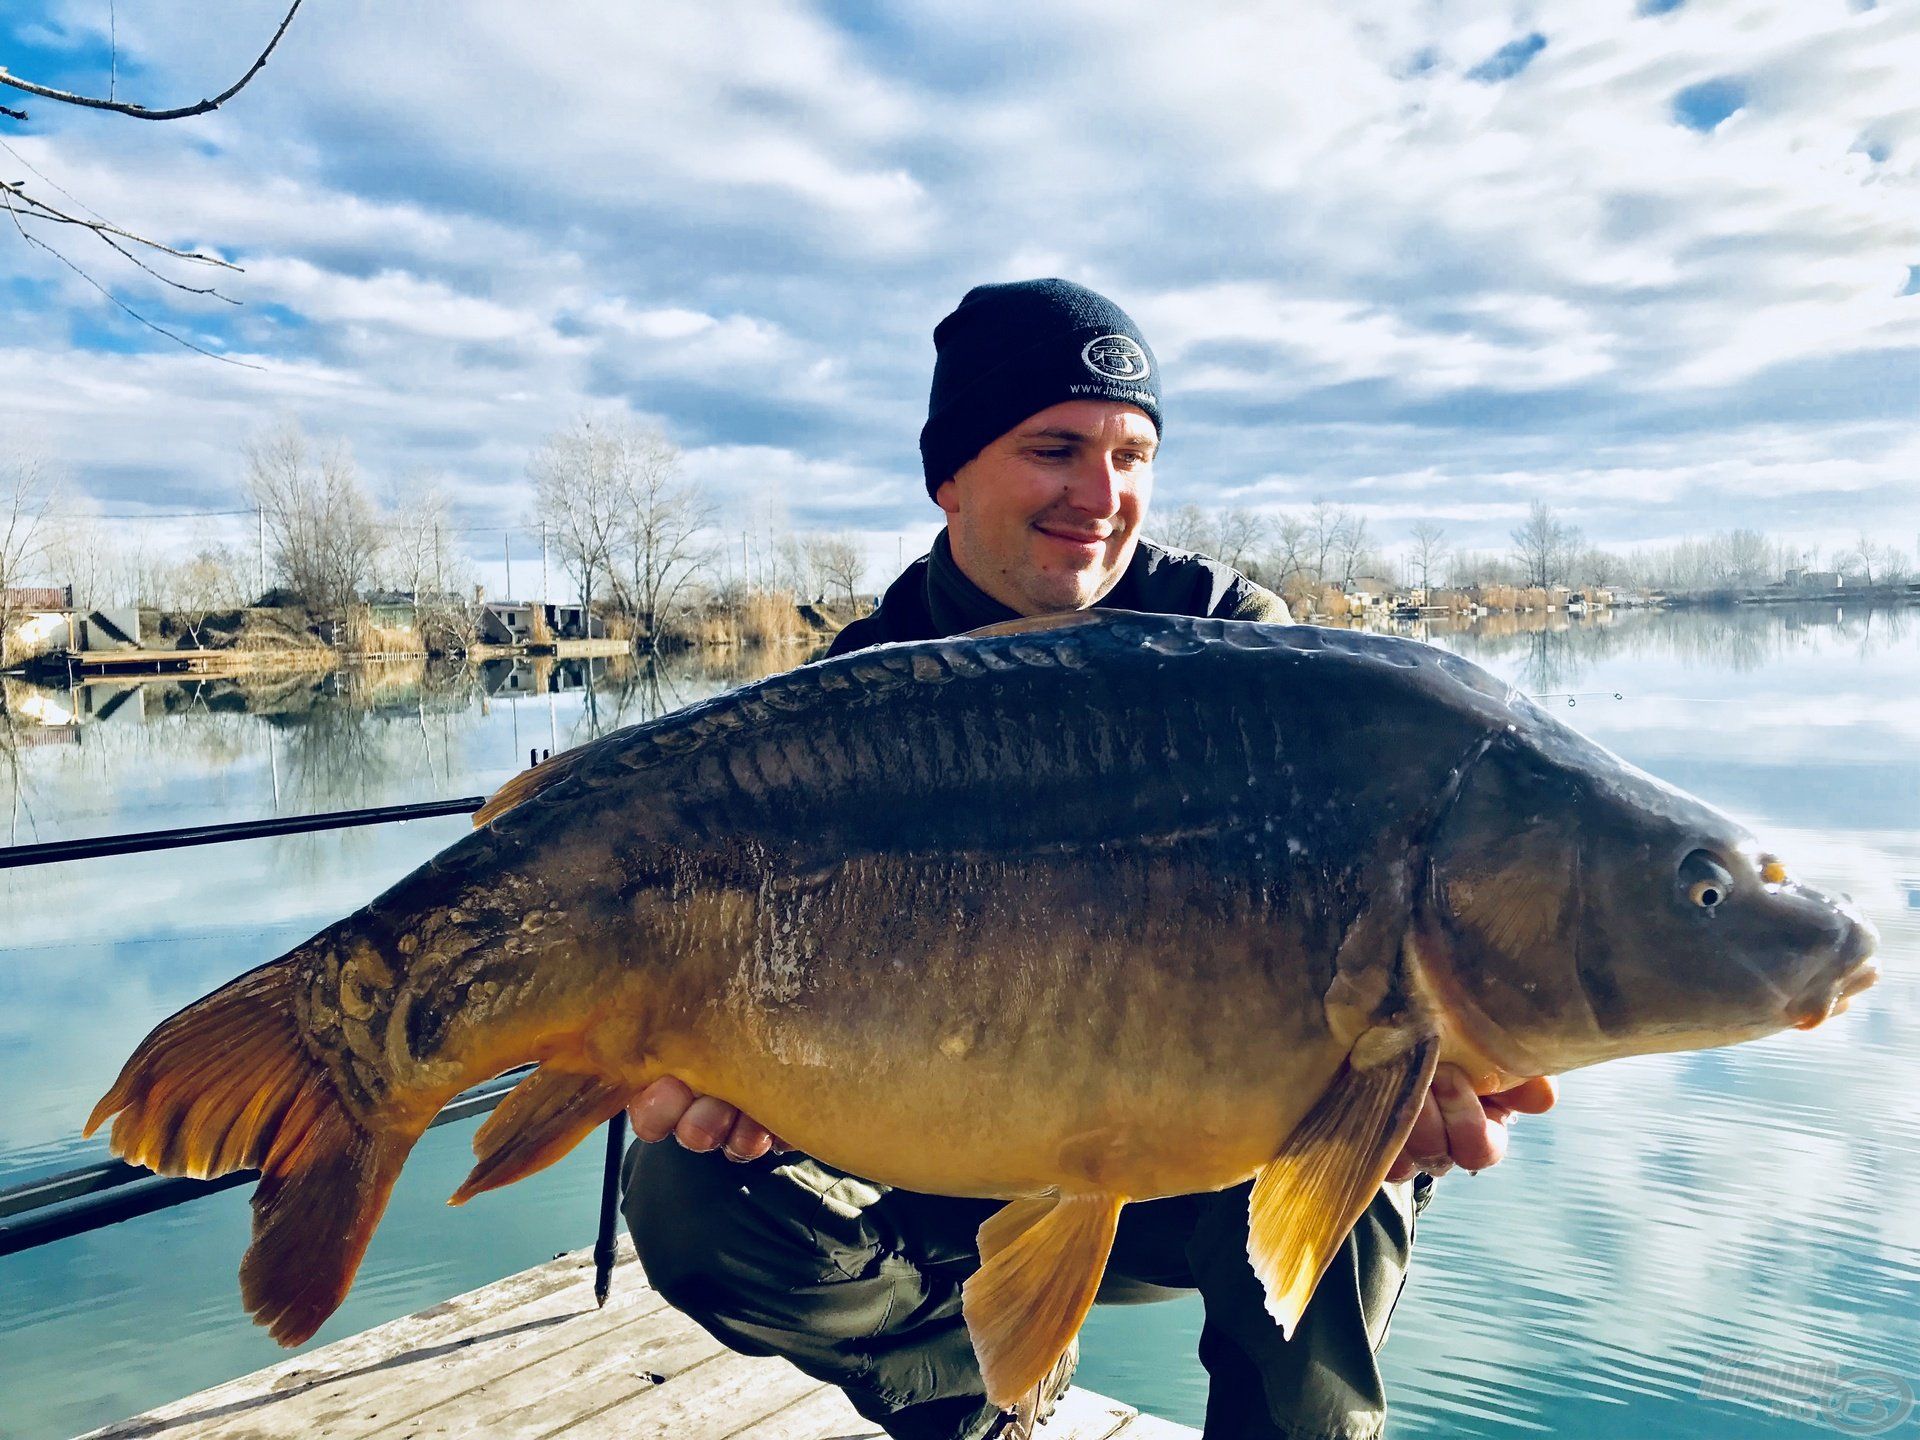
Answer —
(1655, 261)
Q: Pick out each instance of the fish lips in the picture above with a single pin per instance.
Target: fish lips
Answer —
(1853, 971)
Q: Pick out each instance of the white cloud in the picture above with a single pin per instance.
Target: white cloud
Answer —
(1370, 276)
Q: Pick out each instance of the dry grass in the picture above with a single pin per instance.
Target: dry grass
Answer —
(754, 619)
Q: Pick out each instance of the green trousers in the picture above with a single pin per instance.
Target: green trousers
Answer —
(859, 1285)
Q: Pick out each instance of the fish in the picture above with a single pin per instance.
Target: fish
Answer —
(1069, 912)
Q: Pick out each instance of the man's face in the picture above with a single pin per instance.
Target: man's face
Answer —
(1047, 516)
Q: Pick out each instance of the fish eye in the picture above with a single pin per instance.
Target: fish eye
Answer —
(1705, 880)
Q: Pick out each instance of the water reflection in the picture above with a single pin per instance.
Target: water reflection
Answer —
(326, 740)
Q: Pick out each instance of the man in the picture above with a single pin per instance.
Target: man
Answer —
(1043, 427)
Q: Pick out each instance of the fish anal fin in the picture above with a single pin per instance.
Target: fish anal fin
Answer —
(320, 1198)
(545, 1116)
(529, 783)
(1042, 1263)
(1310, 1195)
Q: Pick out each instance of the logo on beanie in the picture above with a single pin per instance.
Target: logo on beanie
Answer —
(1116, 357)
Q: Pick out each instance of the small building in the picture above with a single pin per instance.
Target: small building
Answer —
(1365, 592)
(39, 599)
(510, 622)
(1815, 582)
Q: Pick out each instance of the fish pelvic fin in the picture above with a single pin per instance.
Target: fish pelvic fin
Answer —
(1042, 1259)
(226, 1085)
(1309, 1196)
(545, 1116)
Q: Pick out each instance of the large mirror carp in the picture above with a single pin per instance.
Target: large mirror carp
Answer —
(1071, 912)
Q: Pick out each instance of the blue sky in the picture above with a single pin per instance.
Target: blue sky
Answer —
(1649, 261)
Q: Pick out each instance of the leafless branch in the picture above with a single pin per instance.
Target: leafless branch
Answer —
(141, 112)
(13, 114)
(7, 193)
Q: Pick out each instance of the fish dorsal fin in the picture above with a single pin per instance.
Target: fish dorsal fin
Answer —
(529, 783)
(548, 1113)
(1031, 624)
(1042, 1262)
(1311, 1194)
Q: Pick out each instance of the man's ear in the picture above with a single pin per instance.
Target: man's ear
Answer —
(945, 496)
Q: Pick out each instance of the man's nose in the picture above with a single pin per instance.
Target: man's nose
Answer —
(1094, 485)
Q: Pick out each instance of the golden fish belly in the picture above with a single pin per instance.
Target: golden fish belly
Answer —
(1068, 1028)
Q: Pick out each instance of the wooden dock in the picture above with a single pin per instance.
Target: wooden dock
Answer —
(529, 1356)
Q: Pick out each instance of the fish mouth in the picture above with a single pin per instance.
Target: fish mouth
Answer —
(1830, 995)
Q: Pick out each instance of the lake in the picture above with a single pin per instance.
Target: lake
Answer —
(1708, 1245)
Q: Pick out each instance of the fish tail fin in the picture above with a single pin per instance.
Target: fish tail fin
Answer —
(545, 1116)
(226, 1085)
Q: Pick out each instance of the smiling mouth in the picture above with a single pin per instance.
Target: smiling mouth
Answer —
(1073, 537)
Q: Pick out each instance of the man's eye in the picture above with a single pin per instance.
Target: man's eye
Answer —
(1053, 452)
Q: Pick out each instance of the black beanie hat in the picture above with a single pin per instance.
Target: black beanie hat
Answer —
(1010, 351)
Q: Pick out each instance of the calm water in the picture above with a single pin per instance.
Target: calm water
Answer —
(1724, 1244)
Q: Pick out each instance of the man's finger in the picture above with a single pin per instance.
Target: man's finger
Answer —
(658, 1108)
(1426, 1145)
(1530, 1097)
(749, 1139)
(1474, 1141)
(706, 1124)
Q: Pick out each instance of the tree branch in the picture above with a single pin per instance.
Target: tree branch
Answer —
(141, 112)
(7, 193)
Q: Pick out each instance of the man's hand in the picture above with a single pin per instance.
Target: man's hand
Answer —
(700, 1122)
(1457, 1127)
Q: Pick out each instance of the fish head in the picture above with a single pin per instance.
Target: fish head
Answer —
(1576, 909)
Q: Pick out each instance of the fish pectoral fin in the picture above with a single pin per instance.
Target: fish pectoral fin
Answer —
(545, 1116)
(1042, 1259)
(1310, 1195)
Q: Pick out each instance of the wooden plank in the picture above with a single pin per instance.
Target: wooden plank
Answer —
(1083, 1415)
(560, 1287)
(411, 1378)
(530, 1358)
(826, 1414)
(1152, 1427)
(570, 1382)
(707, 1402)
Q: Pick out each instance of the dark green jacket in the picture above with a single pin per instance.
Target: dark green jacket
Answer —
(933, 598)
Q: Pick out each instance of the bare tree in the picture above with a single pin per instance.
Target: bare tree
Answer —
(1427, 554)
(1326, 537)
(1543, 547)
(421, 561)
(1287, 560)
(1183, 529)
(1355, 549)
(579, 495)
(1863, 559)
(1237, 534)
(26, 502)
(323, 530)
(837, 562)
(209, 582)
(665, 524)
